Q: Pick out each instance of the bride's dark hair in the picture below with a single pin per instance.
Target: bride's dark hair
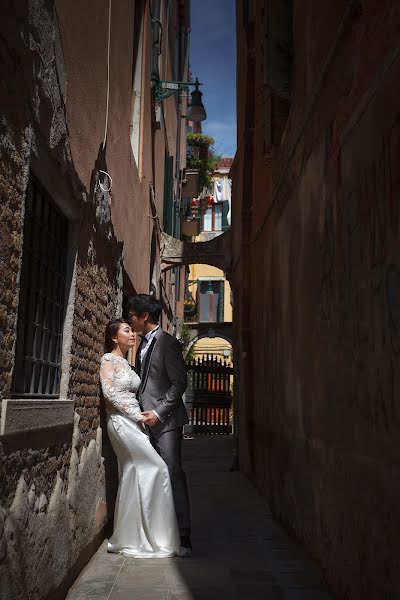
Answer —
(111, 331)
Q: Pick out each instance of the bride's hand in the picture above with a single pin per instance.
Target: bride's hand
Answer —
(150, 418)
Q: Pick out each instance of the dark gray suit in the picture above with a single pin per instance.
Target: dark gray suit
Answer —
(163, 381)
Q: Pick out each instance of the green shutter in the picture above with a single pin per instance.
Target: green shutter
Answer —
(168, 218)
(221, 303)
(225, 211)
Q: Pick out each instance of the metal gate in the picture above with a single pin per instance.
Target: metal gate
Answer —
(209, 396)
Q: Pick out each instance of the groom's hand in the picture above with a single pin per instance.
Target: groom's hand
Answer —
(149, 418)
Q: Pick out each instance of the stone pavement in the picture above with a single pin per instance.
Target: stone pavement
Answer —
(239, 551)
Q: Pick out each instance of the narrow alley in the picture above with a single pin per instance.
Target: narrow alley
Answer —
(200, 239)
(240, 552)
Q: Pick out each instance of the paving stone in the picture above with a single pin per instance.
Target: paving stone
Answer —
(143, 576)
(201, 593)
(91, 589)
(135, 594)
(239, 551)
(96, 580)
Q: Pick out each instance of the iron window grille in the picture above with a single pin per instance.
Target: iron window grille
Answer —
(42, 297)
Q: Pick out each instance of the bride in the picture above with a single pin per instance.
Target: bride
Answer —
(145, 524)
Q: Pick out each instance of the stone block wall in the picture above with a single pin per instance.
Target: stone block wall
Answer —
(96, 303)
(12, 189)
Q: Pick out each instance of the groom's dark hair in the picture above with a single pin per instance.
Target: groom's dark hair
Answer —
(143, 303)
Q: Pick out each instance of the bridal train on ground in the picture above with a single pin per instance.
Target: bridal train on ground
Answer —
(145, 524)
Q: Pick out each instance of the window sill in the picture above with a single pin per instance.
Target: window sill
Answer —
(29, 416)
(210, 235)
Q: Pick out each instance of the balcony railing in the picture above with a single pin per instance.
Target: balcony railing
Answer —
(193, 317)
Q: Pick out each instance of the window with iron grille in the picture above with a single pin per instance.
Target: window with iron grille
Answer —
(42, 296)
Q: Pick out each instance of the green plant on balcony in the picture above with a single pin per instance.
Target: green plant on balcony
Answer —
(190, 309)
(201, 156)
(199, 139)
(189, 304)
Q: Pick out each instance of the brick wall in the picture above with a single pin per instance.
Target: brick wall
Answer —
(12, 188)
(97, 302)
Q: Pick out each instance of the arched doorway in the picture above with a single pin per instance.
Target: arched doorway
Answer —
(219, 346)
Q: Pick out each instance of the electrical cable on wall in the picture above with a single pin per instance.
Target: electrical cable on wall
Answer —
(102, 186)
(153, 18)
(153, 198)
(105, 188)
(108, 74)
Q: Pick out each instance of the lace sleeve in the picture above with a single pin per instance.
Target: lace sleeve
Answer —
(123, 401)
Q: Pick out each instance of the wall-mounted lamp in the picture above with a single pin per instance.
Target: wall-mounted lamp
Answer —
(196, 111)
(209, 290)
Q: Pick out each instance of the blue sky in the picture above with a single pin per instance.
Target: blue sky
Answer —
(213, 61)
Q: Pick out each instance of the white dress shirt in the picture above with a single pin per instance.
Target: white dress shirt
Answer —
(143, 351)
(149, 338)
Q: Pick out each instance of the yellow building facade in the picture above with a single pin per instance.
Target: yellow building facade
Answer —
(206, 285)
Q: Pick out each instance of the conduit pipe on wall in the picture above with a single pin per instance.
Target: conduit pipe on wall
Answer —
(108, 74)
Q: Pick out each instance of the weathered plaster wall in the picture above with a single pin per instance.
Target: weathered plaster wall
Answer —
(53, 497)
(318, 337)
(86, 94)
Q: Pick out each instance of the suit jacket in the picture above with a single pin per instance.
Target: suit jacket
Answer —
(163, 381)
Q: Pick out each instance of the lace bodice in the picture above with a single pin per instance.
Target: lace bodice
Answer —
(119, 382)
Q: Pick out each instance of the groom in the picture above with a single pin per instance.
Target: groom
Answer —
(160, 365)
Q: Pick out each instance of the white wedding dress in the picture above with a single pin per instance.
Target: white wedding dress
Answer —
(145, 524)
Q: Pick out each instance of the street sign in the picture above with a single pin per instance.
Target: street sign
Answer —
(167, 85)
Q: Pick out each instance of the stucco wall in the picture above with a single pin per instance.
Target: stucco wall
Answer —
(317, 337)
(216, 346)
(53, 503)
(196, 271)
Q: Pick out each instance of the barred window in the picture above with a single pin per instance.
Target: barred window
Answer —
(42, 297)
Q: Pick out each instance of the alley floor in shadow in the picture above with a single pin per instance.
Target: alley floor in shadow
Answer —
(240, 552)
